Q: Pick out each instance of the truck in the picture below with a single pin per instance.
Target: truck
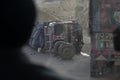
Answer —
(104, 20)
(61, 38)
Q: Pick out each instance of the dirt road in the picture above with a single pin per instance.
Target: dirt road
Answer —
(77, 68)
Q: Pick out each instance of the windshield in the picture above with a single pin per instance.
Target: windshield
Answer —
(58, 29)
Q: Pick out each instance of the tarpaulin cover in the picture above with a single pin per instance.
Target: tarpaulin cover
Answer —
(37, 39)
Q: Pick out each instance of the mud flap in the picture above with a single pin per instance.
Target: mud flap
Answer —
(98, 68)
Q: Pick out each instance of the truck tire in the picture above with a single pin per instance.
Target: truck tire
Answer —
(66, 51)
(57, 44)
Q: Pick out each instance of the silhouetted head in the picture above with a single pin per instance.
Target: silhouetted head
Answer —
(17, 18)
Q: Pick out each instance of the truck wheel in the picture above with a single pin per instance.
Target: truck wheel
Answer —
(57, 44)
(66, 51)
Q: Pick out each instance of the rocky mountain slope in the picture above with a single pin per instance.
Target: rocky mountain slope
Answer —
(65, 10)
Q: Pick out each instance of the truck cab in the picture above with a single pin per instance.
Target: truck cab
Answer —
(64, 38)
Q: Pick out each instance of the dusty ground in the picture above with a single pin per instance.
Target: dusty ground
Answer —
(77, 68)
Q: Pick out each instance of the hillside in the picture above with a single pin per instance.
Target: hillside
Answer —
(65, 10)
